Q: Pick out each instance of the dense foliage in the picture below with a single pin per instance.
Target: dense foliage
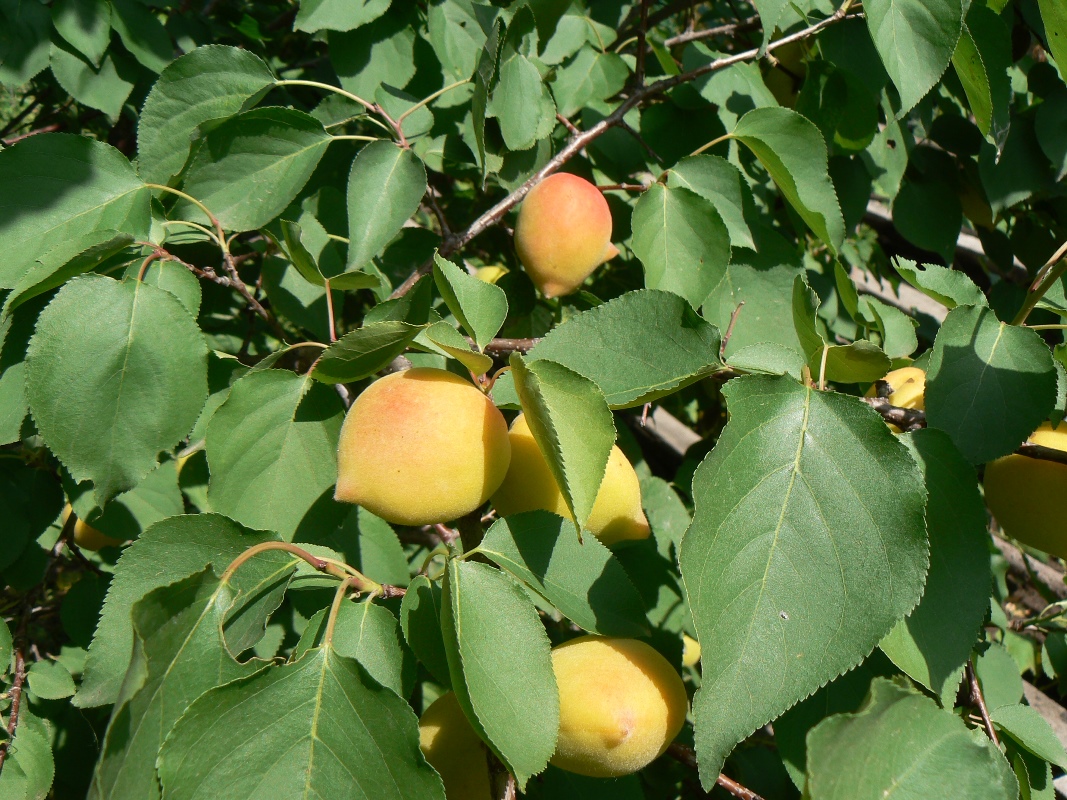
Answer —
(221, 222)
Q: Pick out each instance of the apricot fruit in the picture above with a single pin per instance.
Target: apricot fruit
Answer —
(453, 749)
(490, 274)
(909, 389)
(86, 536)
(530, 486)
(620, 704)
(421, 446)
(1028, 496)
(563, 233)
(690, 651)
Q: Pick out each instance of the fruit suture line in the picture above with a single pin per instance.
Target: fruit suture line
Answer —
(579, 141)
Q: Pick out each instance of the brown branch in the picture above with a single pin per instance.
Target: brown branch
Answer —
(730, 330)
(577, 143)
(505, 347)
(16, 686)
(750, 24)
(979, 700)
(907, 419)
(46, 129)
(566, 123)
(684, 754)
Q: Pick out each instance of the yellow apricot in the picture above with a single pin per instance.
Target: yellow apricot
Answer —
(529, 486)
(909, 390)
(86, 536)
(690, 651)
(490, 274)
(421, 446)
(1028, 496)
(453, 749)
(563, 233)
(620, 704)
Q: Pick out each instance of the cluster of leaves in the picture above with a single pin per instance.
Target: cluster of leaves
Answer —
(293, 200)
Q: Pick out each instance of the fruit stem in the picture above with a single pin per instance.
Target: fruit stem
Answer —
(1051, 272)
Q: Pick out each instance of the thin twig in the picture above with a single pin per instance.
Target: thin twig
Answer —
(730, 330)
(750, 24)
(979, 700)
(642, 33)
(46, 129)
(505, 347)
(16, 687)
(685, 755)
(566, 123)
(577, 143)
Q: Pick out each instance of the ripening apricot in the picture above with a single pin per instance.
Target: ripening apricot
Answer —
(490, 274)
(563, 233)
(529, 486)
(620, 704)
(909, 389)
(690, 651)
(421, 446)
(1028, 496)
(453, 749)
(86, 536)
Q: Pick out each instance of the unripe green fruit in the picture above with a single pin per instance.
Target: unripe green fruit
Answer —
(453, 749)
(529, 486)
(421, 446)
(620, 704)
(1028, 496)
(563, 233)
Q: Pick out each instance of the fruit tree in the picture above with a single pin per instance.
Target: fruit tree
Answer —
(556, 399)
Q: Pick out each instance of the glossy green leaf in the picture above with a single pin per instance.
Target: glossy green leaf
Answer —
(56, 188)
(420, 617)
(793, 151)
(104, 88)
(385, 187)
(249, 168)
(572, 425)
(636, 348)
(364, 351)
(721, 184)
(94, 329)
(456, 36)
(520, 101)
(443, 338)
(208, 83)
(1054, 17)
(480, 307)
(29, 767)
(896, 327)
(172, 277)
(85, 24)
(581, 579)
(916, 40)
(337, 15)
(381, 52)
(301, 730)
(989, 384)
(930, 645)
(949, 287)
(169, 551)
(50, 680)
(682, 242)
(901, 744)
(501, 669)
(1031, 731)
(981, 60)
(809, 528)
(272, 450)
(589, 78)
(178, 655)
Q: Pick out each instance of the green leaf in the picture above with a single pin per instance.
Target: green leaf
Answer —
(809, 528)
(793, 151)
(859, 362)
(981, 60)
(916, 40)
(211, 82)
(24, 42)
(581, 579)
(337, 15)
(385, 187)
(50, 680)
(721, 184)
(364, 351)
(1054, 17)
(949, 287)
(897, 328)
(105, 87)
(480, 307)
(370, 544)
(142, 34)
(7, 648)
(153, 499)
(299, 255)
(307, 728)
(29, 768)
(381, 52)
(900, 743)
(682, 242)
(636, 348)
(930, 646)
(56, 188)
(998, 675)
(767, 316)
(456, 36)
(520, 101)
(95, 329)
(272, 451)
(169, 551)
(589, 78)
(85, 24)
(501, 668)
(443, 338)
(178, 654)
(572, 425)
(989, 384)
(65, 260)
(365, 632)
(420, 616)
(249, 168)
(1031, 731)
(174, 278)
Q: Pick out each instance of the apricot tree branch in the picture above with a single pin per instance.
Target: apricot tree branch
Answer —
(578, 142)
(979, 700)
(684, 754)
(750, 24)
(16, 686)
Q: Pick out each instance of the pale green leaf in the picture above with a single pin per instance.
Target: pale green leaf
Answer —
(1031, 731)
(443, 338)
(809, 528)
(721, 184)
(480, 307)
(337, 15)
